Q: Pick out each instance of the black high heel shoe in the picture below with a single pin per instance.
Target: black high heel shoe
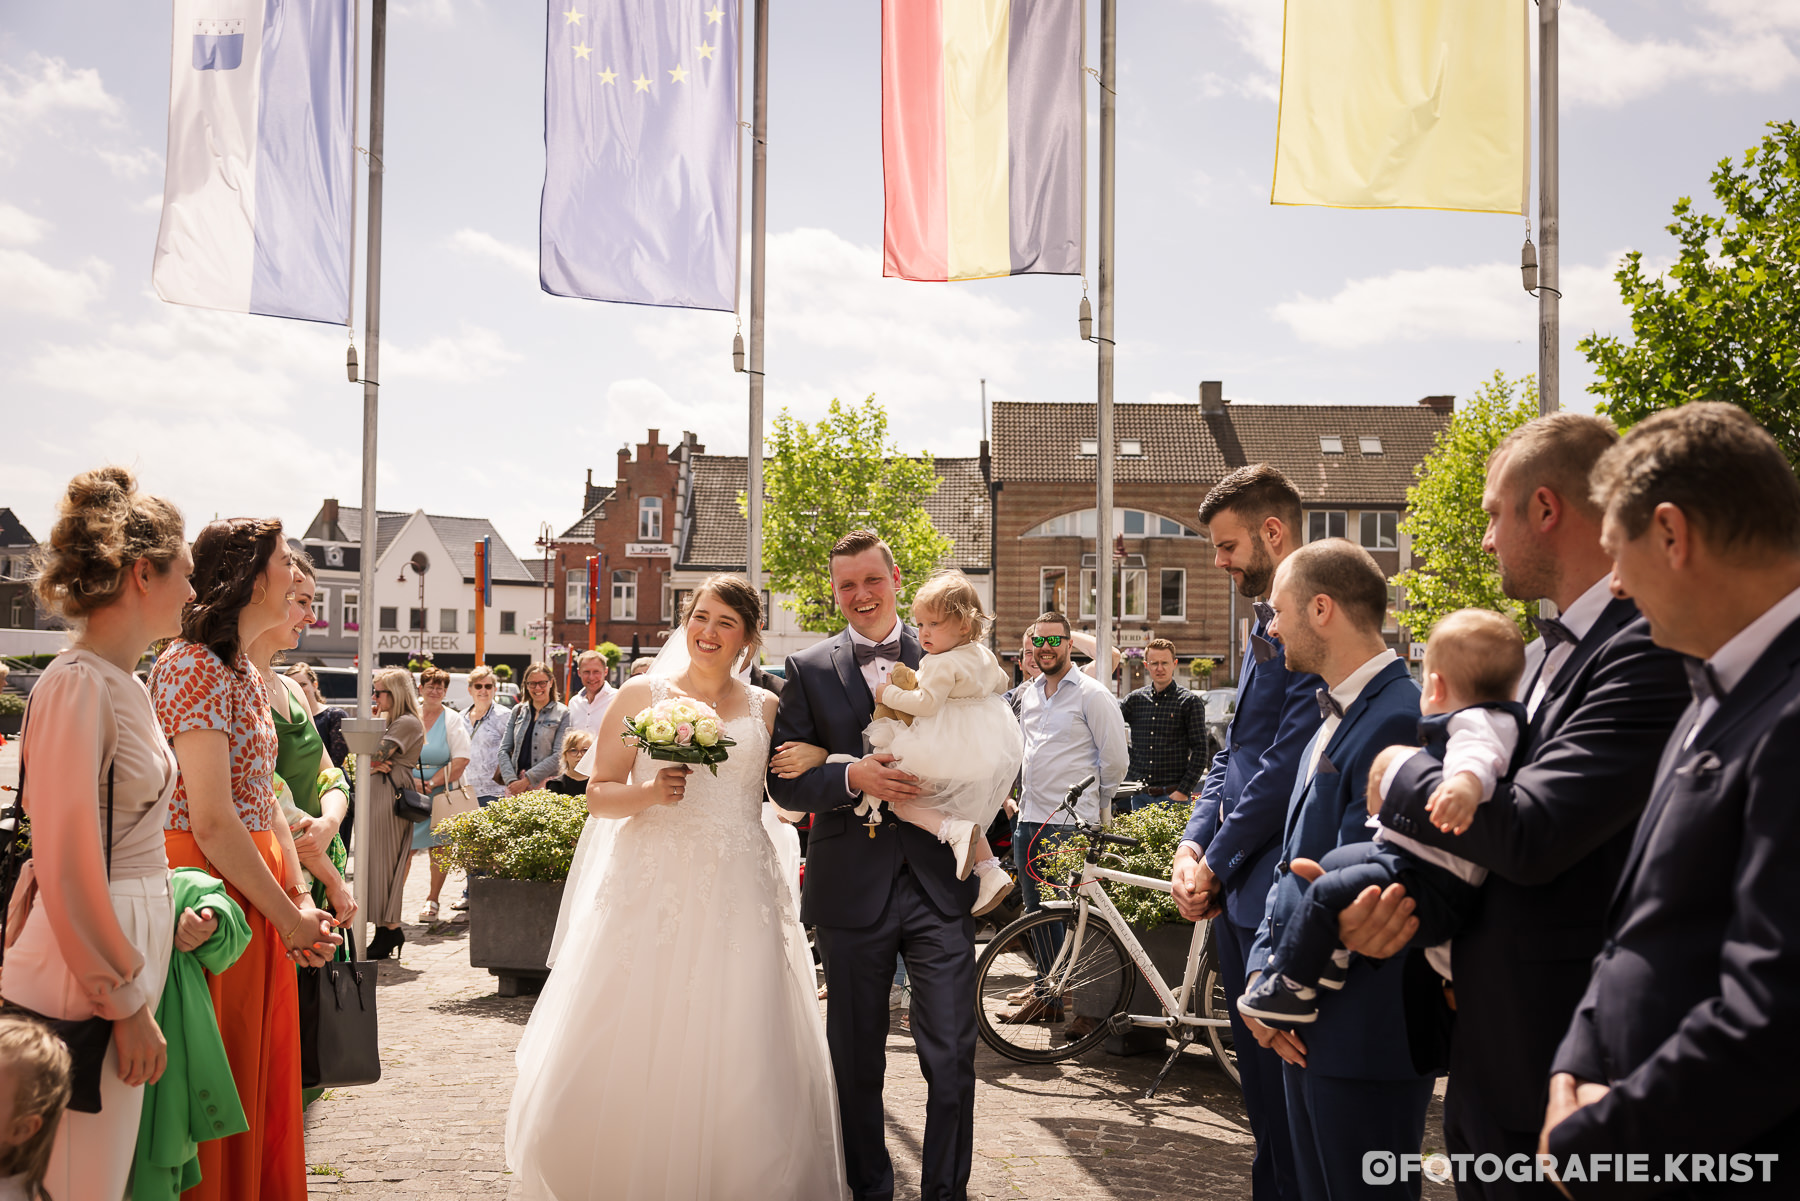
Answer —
(386, 942)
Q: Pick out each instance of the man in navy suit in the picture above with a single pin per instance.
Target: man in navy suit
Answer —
(1554, 836)
(1683, 1049)
(1350, 1083)
(876, 891)
(1226, 860)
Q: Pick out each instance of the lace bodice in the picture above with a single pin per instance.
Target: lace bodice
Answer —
(727, 807)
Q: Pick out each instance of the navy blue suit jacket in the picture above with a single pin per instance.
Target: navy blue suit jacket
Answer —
(848, 874)
(1237, 817)
(1692, 1013)
(1554, 838)
(1361, 1031)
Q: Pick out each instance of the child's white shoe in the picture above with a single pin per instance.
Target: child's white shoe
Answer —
(961, 837)
(995, 885)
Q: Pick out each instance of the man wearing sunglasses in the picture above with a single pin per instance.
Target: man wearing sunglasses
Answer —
(1226, 861)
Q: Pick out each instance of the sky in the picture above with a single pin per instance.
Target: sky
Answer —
(497, 398)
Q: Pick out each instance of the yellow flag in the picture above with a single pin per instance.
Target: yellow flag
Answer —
(1404, 104)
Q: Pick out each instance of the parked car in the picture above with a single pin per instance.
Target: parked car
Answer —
(1221, 704)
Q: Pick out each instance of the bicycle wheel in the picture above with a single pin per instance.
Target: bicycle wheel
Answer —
(1210, 1001)
(1087, 984)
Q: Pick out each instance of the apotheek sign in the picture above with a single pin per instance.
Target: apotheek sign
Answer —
(649, 550)
(410, 642)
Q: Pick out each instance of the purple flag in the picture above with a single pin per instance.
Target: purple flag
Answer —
(641, 152)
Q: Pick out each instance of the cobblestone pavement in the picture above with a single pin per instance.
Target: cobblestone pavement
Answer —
(435, 1124)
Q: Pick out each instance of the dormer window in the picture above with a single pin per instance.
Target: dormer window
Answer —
(1330, 444)
(1090, 446)
(1368, 445)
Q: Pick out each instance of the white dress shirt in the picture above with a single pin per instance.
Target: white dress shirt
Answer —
(587, 715)
(1076, 733)
(1580, 618)
(875, 675)
(1345, 694)
(1733, 661)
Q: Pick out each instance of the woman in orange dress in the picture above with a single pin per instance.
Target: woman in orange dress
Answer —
(224, 819)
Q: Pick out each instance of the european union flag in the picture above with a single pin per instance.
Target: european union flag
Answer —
(641, 170)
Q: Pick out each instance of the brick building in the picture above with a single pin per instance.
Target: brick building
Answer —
(1351, 463)
(635, 525)
(18, 601)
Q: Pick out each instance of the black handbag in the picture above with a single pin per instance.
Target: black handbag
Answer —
(340, 1045)
(409, 802)
(86, 1038)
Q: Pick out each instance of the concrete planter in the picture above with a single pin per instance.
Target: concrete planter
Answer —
(511, 923)
(10, 723)
(1167, 946)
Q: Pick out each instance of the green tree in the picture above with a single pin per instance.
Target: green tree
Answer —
(824, 480)
(1444, 517)
(611, 653)
(1723, 323)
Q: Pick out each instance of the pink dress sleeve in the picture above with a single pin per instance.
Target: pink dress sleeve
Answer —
(72, 734)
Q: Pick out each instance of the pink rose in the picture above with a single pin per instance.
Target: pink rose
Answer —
(684, 733)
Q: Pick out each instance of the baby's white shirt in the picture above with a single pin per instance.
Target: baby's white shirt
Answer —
(1481, 743)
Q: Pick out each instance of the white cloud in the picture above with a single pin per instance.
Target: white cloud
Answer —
(1256, 24)
(131, 164)
(29, 284)
(48, 86)
(20, 228)
(431, 12)
(485, 245)
(472, 353)
(1603, 68)
(1484, 303)
(150, 204)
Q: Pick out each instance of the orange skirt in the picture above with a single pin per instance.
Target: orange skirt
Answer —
(258, 1005)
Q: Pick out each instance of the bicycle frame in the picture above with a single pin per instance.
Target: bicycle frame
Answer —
(1093, 897)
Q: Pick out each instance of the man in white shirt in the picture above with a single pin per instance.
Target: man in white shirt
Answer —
(587, 708)
(1073, 732)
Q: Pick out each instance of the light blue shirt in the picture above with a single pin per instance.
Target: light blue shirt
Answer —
(1077, 733)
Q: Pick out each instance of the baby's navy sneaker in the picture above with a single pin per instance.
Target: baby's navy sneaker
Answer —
(1335, 971)
(1277, 1001)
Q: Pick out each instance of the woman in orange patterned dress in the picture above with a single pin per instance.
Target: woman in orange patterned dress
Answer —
(224, 819)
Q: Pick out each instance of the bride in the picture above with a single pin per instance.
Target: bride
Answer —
(677, 1050)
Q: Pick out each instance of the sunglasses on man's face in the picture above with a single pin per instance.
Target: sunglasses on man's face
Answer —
(1047, 640)
(481, 687)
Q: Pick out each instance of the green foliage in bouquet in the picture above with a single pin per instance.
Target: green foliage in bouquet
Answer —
(1160, 827)
(530, 836)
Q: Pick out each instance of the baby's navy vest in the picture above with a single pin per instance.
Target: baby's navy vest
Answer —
(1434, 730)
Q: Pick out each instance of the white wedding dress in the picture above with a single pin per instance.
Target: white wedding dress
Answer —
(677, 1051)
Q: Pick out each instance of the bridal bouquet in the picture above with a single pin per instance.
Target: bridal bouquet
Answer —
(679, 730)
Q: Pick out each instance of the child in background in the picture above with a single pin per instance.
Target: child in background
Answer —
(954, 730)
(572, 782)
(1473, 663)
(34, 1089)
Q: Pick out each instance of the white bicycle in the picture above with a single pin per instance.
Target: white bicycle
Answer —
(1056, 982)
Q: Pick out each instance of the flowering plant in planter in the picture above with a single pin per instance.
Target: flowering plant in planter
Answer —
(530, 836)
(1159, 828)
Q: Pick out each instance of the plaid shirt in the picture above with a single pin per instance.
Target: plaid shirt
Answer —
(1168, 737)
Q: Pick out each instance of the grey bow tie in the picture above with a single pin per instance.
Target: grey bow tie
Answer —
(1265, 612)
(1328, 705)
(1703, 680)
(867, 653)
(1262, 649)
(1553, 632)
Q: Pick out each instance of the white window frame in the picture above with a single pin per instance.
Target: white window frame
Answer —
(1162, 586)
(350, 607)
(1046, 603)
(321, 609)
(668, 600)
(650, 521)
(624, 595)
(1324, 517)
(1331, 444)
(1121, 593)
(18, 611)
(509, 621)
(1388, 539)
(1082, 522)
(575, 593)
(1369, 444)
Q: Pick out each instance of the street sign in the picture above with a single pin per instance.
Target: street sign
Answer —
(1133, 637)
(649, 550)
(1416, 652)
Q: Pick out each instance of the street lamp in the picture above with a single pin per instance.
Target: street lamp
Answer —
(546, 541)
(420, 564)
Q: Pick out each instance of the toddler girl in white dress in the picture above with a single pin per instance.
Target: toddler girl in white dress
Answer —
(955, 731)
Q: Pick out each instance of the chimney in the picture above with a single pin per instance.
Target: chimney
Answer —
(328, 514)
(1212, 396)
(1441, 404)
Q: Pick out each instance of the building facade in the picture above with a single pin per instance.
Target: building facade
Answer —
(635, 527)
(1351, 463)
(418, 614)
(18, 600)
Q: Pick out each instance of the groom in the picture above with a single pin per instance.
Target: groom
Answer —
(874, 892)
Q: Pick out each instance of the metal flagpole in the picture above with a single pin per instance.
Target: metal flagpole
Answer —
(363, 734)
(1549, 299)
(1103, 448)
(759, 167)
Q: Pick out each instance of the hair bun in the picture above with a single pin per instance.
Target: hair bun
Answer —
(103, 487)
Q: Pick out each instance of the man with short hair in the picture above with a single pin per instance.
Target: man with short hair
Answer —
(1598, 694)
(587, 708)
(1168, 731)
(876, 891)
(1073, 732)
(1350, 1084)
(1226, 860)
(1682, 1049)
